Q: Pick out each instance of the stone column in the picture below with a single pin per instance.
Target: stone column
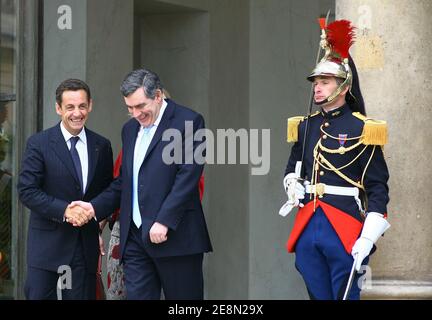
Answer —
(109, 57)
(64, 49)
(392, 56)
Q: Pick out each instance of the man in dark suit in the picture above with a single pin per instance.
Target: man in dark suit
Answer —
(163, 233)
(61, 164)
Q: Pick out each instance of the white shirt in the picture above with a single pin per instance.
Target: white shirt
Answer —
(81, 147)
(139, 155)
(152, 130)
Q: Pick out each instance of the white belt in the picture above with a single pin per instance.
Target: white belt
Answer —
(320, 189)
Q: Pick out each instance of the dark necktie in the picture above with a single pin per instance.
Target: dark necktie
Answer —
(76, 160)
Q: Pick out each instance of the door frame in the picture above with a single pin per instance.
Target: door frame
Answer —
(26, 117)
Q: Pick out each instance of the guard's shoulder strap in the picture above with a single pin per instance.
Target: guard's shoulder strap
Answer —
(374, 131)
(293, 124)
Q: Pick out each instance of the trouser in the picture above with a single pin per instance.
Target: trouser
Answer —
(323, 261)
(43, 284)
(180, 277)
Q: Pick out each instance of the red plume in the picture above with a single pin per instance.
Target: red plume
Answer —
(340, 36)
(322, 23)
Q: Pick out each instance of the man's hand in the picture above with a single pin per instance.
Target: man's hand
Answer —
(373, 228)
(295, 191)
(75, 216)
(361, 250)
(83, 207)
(158, 233)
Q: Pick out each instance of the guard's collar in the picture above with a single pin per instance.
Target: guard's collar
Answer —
(335, 113)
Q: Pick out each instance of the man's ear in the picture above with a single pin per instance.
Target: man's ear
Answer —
(90, 108)
(345, 90)
(159, 95)
(58, 109)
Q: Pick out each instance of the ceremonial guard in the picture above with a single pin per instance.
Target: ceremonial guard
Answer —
(336, 175)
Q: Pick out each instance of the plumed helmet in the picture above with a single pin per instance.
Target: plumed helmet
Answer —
(336, 40)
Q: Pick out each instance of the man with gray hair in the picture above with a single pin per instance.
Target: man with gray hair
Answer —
(163, 233)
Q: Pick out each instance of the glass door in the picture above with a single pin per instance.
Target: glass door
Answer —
(8, 66)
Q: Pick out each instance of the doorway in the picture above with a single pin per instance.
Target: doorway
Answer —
(173, 41)
(8, 54)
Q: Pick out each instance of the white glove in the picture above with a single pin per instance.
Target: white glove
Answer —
(294, 189)
(374, 226)
(295, 192)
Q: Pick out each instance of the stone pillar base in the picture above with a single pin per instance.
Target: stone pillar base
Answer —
(397, 289)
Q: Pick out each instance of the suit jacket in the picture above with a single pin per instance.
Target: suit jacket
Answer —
(47, 184)
(168, 193)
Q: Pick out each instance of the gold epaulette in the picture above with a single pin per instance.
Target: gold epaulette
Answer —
(293, 124)
(374, 131)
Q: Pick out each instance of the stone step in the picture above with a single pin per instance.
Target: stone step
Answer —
(397, 290)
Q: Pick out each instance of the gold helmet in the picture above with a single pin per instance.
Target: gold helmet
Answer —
(336, 40)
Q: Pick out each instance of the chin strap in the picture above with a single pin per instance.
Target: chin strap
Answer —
(333, 96)
(346, 83)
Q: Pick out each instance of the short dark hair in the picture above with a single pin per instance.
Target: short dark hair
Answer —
(71, 85)
(144, 78)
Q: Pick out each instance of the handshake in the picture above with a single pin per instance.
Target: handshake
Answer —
(78, 213)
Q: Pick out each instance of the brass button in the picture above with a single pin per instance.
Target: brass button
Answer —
(321, 173)
(326, 124)
(324, 137)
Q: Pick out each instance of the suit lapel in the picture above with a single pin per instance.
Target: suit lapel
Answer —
(163, 125)
(59, 146)
(93, 154)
